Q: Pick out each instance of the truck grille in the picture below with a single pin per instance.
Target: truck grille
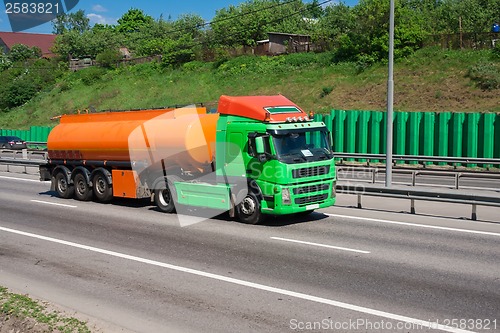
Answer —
(311, 188)
(311, 171)
(311, 199)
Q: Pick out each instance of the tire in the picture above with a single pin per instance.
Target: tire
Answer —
(164, 200)
(64, 190)
(249, 210)
(83, 191)
(103, 191)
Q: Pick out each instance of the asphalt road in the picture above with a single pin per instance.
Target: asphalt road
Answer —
(128, 267)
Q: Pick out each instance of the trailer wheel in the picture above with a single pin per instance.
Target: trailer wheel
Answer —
(102, 190)
(164, 200)
(63, 188)
(83, 191)
(249, 210)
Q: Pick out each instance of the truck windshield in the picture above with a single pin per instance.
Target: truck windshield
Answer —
(302, 146)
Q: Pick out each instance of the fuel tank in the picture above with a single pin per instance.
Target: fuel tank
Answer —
(184, 136)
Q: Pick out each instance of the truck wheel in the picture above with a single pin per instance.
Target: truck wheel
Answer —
(83, 191)
(102, 190)
(164, 200)
(64, 190)
(249, 210)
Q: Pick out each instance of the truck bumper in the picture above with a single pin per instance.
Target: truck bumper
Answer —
(300, 202)
(293, 209)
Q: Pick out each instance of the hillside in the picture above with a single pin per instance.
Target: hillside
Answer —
(429, 80)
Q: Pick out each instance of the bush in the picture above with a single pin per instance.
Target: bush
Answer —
(21, 52)
(302, 59)
(486, 75)
(496, 51)
(109, 58)
(177, 52)
(91, 75)
(17, 92)
(146, 69)
(193, 65)
(325, 91)
(364, 62)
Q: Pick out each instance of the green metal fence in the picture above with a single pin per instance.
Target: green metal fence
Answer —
(415, 133)
(34, 134)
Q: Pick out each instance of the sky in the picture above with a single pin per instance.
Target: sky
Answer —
(109, 11)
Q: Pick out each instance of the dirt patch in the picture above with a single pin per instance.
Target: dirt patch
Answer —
(20, 314)
(14, 324)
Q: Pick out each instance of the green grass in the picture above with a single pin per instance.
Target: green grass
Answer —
(429, 80)
(21, 306)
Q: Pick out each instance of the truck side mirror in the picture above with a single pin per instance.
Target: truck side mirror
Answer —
(259, 145)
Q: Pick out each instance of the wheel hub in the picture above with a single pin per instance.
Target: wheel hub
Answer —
(248, 206)
(101, 186)
(63, 186)
(81, 187)
(164, 197)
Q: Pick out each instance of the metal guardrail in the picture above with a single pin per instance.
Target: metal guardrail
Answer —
(20, 163)
(456, 175)
(422, 159)
(23, 158)
(37, 144)
(413, 194)
(24, 154)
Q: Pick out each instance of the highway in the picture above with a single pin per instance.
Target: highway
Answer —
(126, 267)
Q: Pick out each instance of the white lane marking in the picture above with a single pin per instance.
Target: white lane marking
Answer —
(416, 225)
(320, 245)
(54, 204)
(347, 306)
(22, 179)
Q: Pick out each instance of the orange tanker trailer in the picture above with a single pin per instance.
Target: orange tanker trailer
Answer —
(98, 150)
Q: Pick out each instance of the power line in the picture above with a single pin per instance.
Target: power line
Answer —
(270, 22)
(231, 17)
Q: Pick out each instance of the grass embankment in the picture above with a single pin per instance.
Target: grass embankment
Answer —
(20, 313)
(429, 80)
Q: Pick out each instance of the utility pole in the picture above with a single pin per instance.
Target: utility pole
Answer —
(390, 99)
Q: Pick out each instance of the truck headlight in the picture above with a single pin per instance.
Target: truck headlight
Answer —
(285, 196)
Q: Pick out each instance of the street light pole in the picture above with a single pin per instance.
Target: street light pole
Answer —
(390, 100)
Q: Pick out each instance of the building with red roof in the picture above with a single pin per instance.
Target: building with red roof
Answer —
(43, 41)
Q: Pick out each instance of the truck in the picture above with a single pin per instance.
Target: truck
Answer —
(256, 156)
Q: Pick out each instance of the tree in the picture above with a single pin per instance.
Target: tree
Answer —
(4, 61)
(21, 52)
(189, 24)
(76, 21)
(337, 20)
(252, 20)
(134, 20)
(88, 44)
(314, 9)
(177, 52)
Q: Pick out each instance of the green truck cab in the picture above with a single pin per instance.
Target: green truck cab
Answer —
(270, 159)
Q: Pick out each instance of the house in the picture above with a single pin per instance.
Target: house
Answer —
(43, 41)
(279, 43)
